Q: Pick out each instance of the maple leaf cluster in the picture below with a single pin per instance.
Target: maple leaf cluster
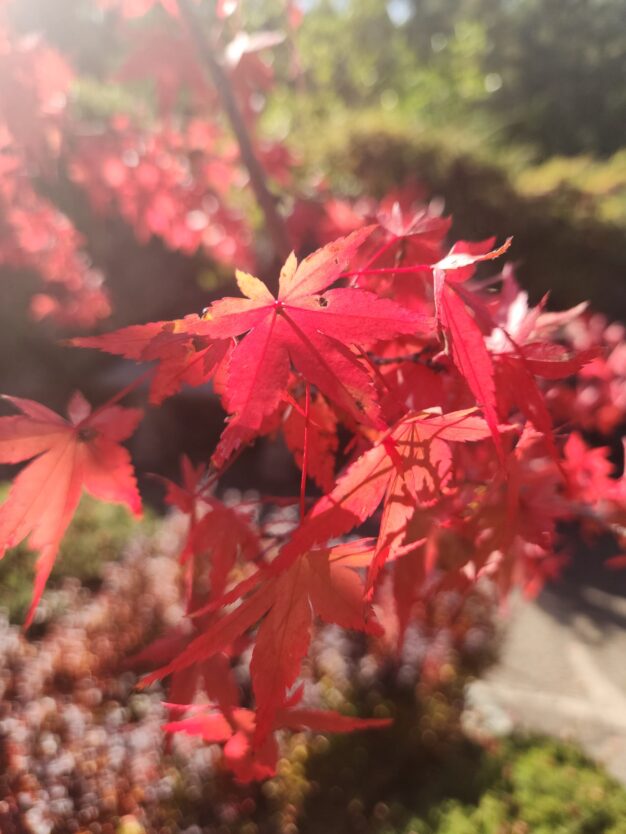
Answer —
(34, 234)
(171, 183)
(596, 402)
(172, 173)
(180, 178)
(410, 393)
(436, 417)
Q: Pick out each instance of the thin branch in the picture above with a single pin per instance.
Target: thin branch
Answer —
(218, 78)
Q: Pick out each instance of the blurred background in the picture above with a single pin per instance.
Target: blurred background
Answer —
(508, 115)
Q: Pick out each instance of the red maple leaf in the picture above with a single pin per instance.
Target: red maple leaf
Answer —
(187, 497)
(138, 8)
(408, 466)
(250, 761)
(218, 535)
(309, 326)
(83, 452)
(322, 440)
(162, 57)
(316, 584)
(464, 338)
(219, 539)
(413, 224)
(181, 347)
(589, 470)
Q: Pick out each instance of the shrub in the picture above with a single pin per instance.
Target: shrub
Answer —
(566, 215)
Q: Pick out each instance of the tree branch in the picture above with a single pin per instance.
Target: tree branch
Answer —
(216, 75)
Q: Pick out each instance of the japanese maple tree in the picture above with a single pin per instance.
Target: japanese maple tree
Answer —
(428, 408)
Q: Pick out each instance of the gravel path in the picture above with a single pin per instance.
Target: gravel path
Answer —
(562, 666)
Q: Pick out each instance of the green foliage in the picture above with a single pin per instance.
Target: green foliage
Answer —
(553, 75)
(345, 69)
(96, 536)
(556, 71)
(563, 69)
(96, 100)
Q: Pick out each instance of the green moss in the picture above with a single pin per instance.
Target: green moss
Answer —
(543, 787)
(423, 775)
(97, 535)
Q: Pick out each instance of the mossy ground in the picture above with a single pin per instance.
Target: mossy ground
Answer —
(424, 775)
(521, 785)
(97, 535)
(532, 785)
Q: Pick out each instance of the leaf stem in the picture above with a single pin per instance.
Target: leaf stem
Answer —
(305, 449)
(378, 254)
(389, 270)
(124, 392)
